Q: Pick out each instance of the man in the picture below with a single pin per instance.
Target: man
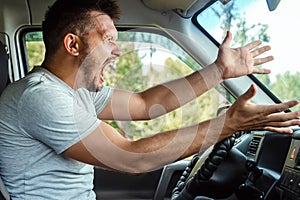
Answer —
(51, 128)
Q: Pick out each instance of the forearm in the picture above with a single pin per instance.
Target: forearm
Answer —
(160, 99)
(168, 96)
(154, 152)
(110, 149)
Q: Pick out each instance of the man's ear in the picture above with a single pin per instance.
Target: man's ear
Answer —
(72, 44)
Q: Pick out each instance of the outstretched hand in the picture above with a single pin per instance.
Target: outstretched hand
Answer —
(235, 62)
(245, 115)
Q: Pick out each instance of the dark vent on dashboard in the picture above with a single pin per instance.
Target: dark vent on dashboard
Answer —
(253, 146)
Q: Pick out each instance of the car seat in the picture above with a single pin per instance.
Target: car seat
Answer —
(4, 81)
(4, 195)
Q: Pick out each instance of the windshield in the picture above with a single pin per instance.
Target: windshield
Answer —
(251, 20)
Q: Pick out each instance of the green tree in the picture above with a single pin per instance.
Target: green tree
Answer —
(284, 81)
(244, 33)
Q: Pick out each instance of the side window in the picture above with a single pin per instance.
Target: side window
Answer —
(35, 48)
(148, 59)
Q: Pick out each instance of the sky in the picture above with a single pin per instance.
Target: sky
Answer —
(284, 35)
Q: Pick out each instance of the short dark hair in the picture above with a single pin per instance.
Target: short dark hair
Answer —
(73, 16)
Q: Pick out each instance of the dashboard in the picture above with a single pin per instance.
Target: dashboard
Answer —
(289, 183)
(278, 158)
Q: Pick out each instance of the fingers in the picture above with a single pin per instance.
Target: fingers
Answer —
(253, 44)
(292, 122)
(261, 71)
(277, 120)
(260, 50)
(249, 94)
(283, 126)
(227, 40)
(284, 119)
(288, 116)
(283, 130)
(267, 117)
(259, 61)
(270, 109)
(278, 108)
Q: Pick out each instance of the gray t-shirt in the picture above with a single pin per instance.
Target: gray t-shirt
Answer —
(41, 117)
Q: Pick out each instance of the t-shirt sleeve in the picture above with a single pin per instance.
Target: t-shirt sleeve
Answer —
(56, 118)
(102, 97)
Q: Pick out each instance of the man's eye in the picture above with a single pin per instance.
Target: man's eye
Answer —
(109, 39)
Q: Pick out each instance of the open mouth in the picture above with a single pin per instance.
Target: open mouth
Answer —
(109, 61)
(102, 75)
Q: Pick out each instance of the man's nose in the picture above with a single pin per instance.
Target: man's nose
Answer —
(117, 51)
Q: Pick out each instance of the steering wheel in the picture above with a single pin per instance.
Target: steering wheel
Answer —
(217, 173)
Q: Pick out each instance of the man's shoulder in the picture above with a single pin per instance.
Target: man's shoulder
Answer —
(35, 92)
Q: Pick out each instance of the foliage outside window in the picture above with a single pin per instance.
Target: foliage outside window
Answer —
(34, 48)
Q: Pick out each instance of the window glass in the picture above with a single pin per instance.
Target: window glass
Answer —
(149, 59)
(251, 20)
(35, 48)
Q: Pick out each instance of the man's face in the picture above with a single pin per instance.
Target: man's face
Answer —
(100, 51)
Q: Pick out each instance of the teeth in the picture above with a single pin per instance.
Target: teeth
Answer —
(102, 77)
(112, 64)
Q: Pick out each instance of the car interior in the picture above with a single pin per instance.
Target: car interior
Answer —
(163, 40)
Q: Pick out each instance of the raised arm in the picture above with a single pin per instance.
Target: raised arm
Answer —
(163, 98)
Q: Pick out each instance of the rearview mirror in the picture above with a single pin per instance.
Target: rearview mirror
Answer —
(272, 4)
